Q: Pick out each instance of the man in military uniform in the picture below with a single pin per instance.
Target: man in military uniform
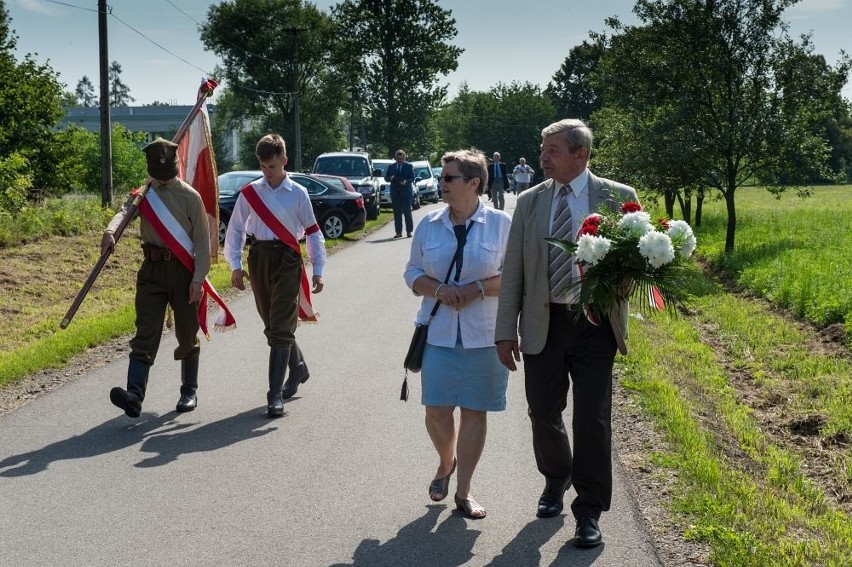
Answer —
(176, 254)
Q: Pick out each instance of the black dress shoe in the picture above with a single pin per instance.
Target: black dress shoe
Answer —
(129, 402)
(187, 402)
(550, 503)
(587, 534)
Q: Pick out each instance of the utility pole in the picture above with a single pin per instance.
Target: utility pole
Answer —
(106, 129)
(294, 69)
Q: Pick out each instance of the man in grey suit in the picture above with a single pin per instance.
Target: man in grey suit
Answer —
(560, 345)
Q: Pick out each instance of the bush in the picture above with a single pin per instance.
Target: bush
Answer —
(15, 183)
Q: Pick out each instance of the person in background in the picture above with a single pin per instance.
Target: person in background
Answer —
(277, 212)
(498, 181)
(561, 347)
(163, 280)
(400, 175)
(460, 364)
(522, 175)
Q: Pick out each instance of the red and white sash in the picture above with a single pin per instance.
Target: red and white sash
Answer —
(271, 212)
(154, 210)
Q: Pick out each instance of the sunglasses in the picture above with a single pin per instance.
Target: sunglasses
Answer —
(451, 178)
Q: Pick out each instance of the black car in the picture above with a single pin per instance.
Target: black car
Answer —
(337, 211)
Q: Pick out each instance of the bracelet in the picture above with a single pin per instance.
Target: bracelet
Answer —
(437, 289)
(481, 289)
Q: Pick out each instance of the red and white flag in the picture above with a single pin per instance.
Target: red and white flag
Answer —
(198, 168)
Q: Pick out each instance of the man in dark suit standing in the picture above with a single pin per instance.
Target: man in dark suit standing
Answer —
(561, 347)
(498, 181)
(400, 175)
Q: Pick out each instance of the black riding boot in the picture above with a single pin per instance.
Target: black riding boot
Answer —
(298, 372)
(188, 384)
(278, 357)
(137, 382)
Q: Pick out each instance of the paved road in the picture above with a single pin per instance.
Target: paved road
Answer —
(340, 480)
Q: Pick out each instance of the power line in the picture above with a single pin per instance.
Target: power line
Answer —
(71, 5)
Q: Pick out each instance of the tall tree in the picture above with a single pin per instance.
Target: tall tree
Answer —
(119, 93)
(571, 89)
(85, 92)
(713, 66)
(275, 53)
(399, 48)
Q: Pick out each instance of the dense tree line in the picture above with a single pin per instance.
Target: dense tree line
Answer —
(700, 97)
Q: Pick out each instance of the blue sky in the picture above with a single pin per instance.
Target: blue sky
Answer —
(504, 40)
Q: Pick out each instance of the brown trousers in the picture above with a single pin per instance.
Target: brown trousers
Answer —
(158, 284)
(275, 273)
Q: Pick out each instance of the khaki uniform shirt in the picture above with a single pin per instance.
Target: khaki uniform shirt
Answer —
(186, 206)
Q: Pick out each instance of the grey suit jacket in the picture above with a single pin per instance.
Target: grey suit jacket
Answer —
(524, 306)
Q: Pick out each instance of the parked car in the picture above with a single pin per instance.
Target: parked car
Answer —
(436, 173)
(341, 182)
(337, 210)
(426, 183)
(384, 190)
(359, 170)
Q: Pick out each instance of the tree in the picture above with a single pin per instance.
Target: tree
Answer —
(507, 119)
(713, 67)
(275, 53)
(85, 92)
(30, 109)
(396, 50)
(119, 93)
(570, 89)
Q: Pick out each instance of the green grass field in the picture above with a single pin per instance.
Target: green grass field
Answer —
(795, 252)
(755, 407)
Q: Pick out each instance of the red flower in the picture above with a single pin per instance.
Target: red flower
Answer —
(631, 207)
(590, 224)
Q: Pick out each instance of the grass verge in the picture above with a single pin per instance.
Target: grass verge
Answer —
(725, 400)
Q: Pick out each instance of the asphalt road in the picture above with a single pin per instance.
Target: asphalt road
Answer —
(341, 479)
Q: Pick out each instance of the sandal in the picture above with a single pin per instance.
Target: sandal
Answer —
(440, 487)
(470, 508)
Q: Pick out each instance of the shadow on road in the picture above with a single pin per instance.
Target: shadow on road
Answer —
(107, 437)
(416, 544)
(169, 445)
(523, 550)
(158, 434)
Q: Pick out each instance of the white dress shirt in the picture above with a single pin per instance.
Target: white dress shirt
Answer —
(432, 250)
(298, 217)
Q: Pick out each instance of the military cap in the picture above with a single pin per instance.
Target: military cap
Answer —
(162, 159)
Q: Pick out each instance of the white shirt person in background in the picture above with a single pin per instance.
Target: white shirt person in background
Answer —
(522, 174)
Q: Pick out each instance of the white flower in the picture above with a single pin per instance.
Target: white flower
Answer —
(682, 237)
(591, 249)
(637, 224)
(657, 248)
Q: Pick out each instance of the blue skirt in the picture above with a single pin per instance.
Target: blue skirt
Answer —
(470, 378)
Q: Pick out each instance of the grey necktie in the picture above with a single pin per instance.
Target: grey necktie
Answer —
(559, 271)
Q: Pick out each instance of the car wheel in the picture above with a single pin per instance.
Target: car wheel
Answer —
(333, 226)
(415, 203)
(223, 227)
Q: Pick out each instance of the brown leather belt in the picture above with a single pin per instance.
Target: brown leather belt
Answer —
(157, 254)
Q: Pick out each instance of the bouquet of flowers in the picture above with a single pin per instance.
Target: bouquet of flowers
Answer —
(625, 253)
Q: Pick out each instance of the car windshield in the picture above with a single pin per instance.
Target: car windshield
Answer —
(231, 184)
(342, 166)
(382, 166)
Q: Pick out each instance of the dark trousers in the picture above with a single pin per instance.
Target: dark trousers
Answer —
(584, 352)
(401, 204)
(275, 273)
(158, 284)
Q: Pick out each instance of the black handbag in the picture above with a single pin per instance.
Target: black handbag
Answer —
(414, 357)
